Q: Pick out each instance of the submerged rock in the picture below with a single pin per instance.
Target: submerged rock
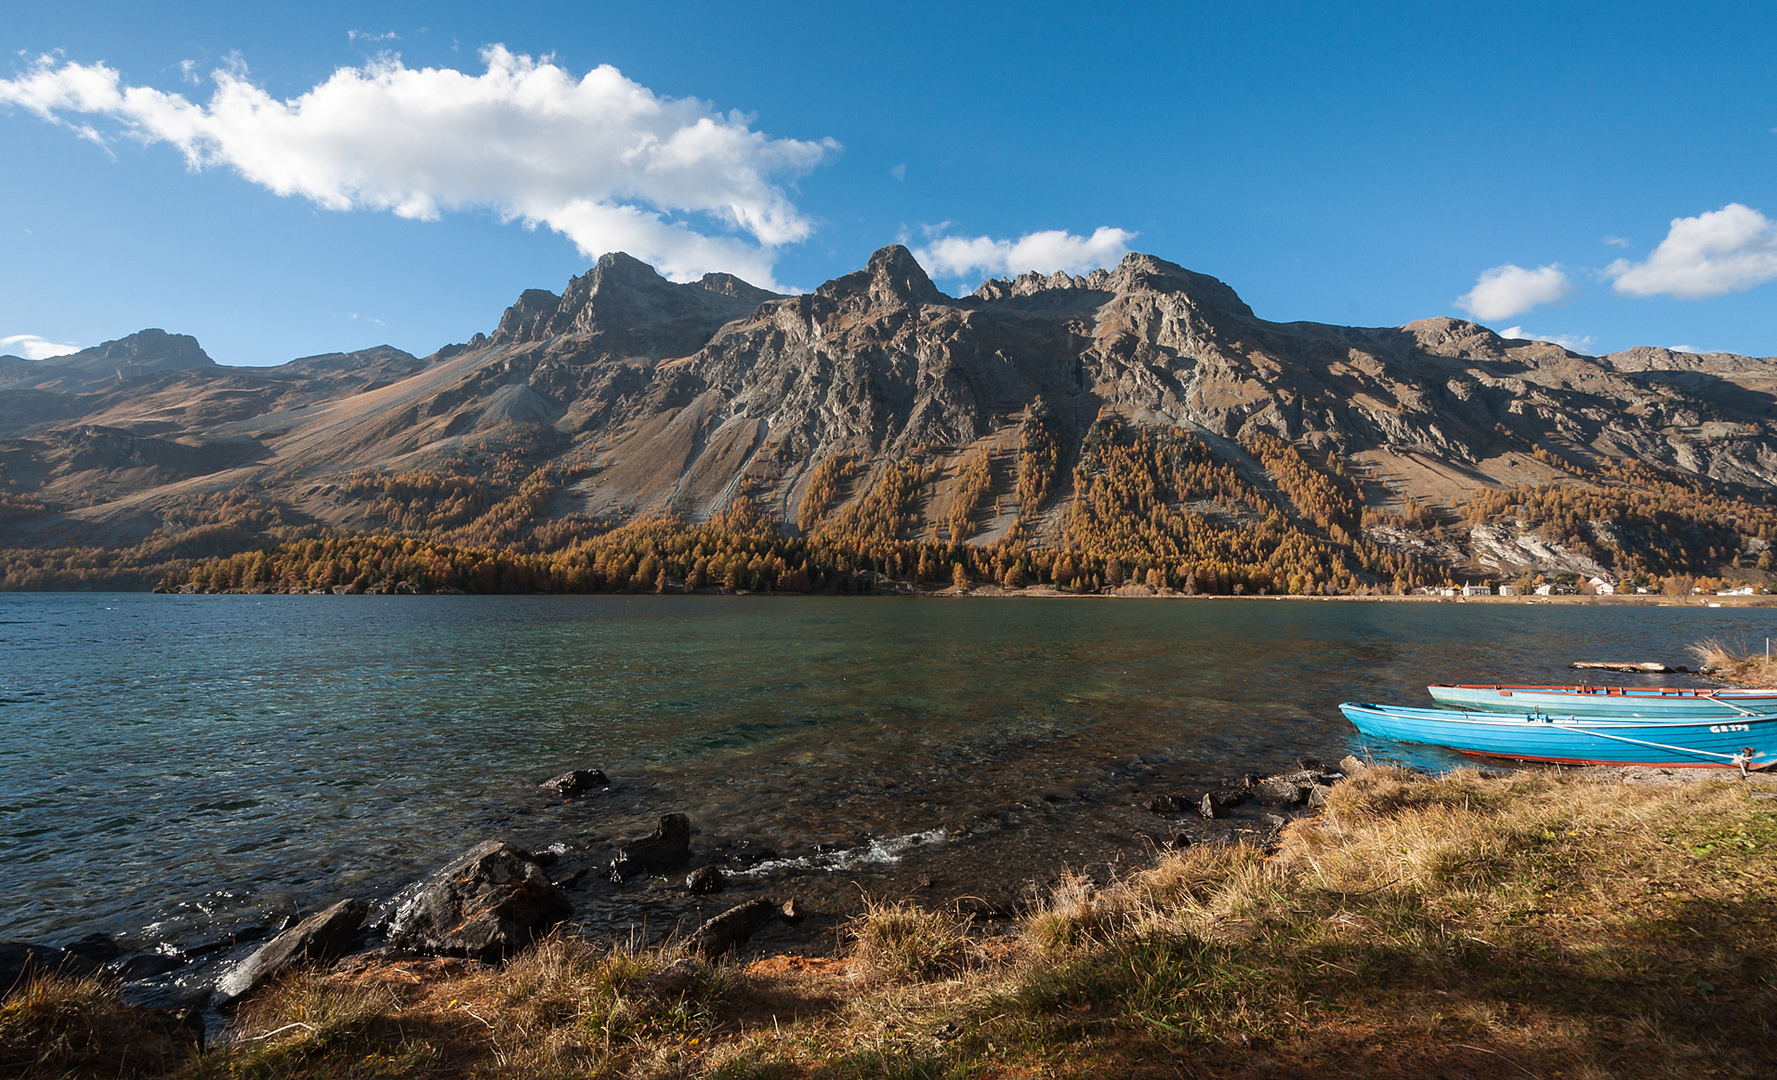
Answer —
(669, 845)
(705, 880)
(573, 784)
(488, 903)
(320, 937)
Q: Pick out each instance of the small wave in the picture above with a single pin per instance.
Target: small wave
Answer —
(884, 850)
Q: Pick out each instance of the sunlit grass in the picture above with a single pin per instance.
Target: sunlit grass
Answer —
(1534, 924)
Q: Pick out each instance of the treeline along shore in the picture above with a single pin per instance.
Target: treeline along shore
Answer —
(1373, 922)
(1148, 508)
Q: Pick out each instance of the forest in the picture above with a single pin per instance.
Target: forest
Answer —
(1145, 507)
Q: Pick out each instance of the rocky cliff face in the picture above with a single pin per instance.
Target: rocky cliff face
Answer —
(653, 396)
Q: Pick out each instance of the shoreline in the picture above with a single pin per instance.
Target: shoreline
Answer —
(1034, 592)
(1343, 932)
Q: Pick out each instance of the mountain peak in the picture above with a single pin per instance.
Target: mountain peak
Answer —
(892, 275)
(627, 309)
(1140, 272)
(141, 353)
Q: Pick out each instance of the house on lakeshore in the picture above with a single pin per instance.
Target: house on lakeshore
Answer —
(1603, 587)
(1508, 590)
(1477, 590)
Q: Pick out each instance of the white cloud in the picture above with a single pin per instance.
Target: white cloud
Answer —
(899, 172)
(1616, 241)
(32, 347)
(1723, 251)
(1510, 290)
(1054, 249)
(602, 159)
(1581, 345)
(362, 35)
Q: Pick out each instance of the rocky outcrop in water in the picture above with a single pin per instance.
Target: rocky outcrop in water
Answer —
(486, 904)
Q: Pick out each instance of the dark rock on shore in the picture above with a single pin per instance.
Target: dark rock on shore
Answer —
(95, 949)
(20, 960)
(320, 937)
(572, 785)
(669, 845)
(733, 927)
(1213, 803)
(144, 965)
(675, 979)
(1216, 804)
(1277, 792)
(222, 944)
(487, 904)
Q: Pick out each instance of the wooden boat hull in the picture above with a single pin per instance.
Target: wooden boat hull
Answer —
(1578, 740)
(1651, 702)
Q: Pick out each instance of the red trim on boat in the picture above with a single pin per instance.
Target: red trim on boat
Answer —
(1608, 764)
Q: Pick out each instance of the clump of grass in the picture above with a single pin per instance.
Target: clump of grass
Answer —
(904, 940)
(63, 1026)
(1735, 663)
(308, 1025)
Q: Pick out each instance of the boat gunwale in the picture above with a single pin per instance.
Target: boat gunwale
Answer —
(1652, 693)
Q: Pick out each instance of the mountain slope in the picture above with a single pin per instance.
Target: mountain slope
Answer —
(628, 395)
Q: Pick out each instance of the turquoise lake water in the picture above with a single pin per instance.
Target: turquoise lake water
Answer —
(168, 762)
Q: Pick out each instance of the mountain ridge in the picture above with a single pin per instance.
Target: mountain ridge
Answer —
(641, 396)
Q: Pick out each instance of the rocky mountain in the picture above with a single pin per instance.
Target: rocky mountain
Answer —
(633, 395)
(145, 352)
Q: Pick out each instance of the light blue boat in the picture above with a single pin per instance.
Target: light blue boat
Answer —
(1652, 702)
(1748, 742)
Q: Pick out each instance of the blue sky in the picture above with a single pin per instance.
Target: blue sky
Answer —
(1523, 164)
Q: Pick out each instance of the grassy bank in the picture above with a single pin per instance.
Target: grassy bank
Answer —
(1541, 924)
(1736, 663)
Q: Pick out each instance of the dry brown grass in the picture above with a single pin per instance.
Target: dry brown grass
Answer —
(1543, 924)
(905, 941)
(58, 1026)
(1736, 663)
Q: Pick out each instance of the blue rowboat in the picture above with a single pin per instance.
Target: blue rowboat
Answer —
(1653, 702)
(1744, 741)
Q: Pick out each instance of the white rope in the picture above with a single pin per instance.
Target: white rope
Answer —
(1733, 759)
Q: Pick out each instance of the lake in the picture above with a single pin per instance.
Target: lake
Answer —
(172, 763)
